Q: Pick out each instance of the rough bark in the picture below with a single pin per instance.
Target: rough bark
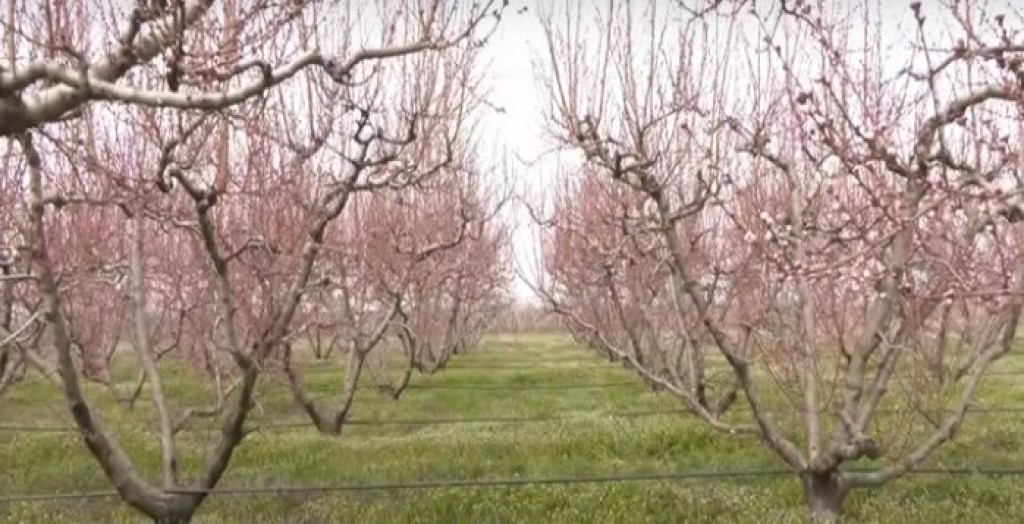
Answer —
(824, 494)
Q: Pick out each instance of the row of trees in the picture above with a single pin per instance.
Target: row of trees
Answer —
(801, 218)
(790, 209)
(526, 318)
(233, 185)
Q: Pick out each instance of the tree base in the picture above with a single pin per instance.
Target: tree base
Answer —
(823, 494)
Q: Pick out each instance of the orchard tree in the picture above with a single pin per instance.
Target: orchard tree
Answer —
(18, 328)
(173, 178)
(455, 295)
(388, 268)
(415, 274)
(804, 195)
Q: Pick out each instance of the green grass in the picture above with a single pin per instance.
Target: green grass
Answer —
(590, 444)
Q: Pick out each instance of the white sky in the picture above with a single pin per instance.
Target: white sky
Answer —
(519, 130)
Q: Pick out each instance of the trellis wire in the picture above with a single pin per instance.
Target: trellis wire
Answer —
(499, 483)
(524, 419)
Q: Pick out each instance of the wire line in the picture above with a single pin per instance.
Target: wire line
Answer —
(707, 474)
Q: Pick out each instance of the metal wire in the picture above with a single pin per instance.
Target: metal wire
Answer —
(524, 419)
(531, 387)
(501, 482)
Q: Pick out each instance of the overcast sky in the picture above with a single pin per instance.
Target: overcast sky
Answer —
(510, 54)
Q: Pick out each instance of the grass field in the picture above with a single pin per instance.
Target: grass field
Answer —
(527, 376)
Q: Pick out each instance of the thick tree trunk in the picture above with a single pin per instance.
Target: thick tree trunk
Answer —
(173, 519)
(176, 508)
(824, 494)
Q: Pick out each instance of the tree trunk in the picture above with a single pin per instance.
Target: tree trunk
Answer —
(177, 509)
(173, 519)
(824, 493)
(314, 342)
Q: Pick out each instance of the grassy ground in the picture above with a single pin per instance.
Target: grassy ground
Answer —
(589, 444)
